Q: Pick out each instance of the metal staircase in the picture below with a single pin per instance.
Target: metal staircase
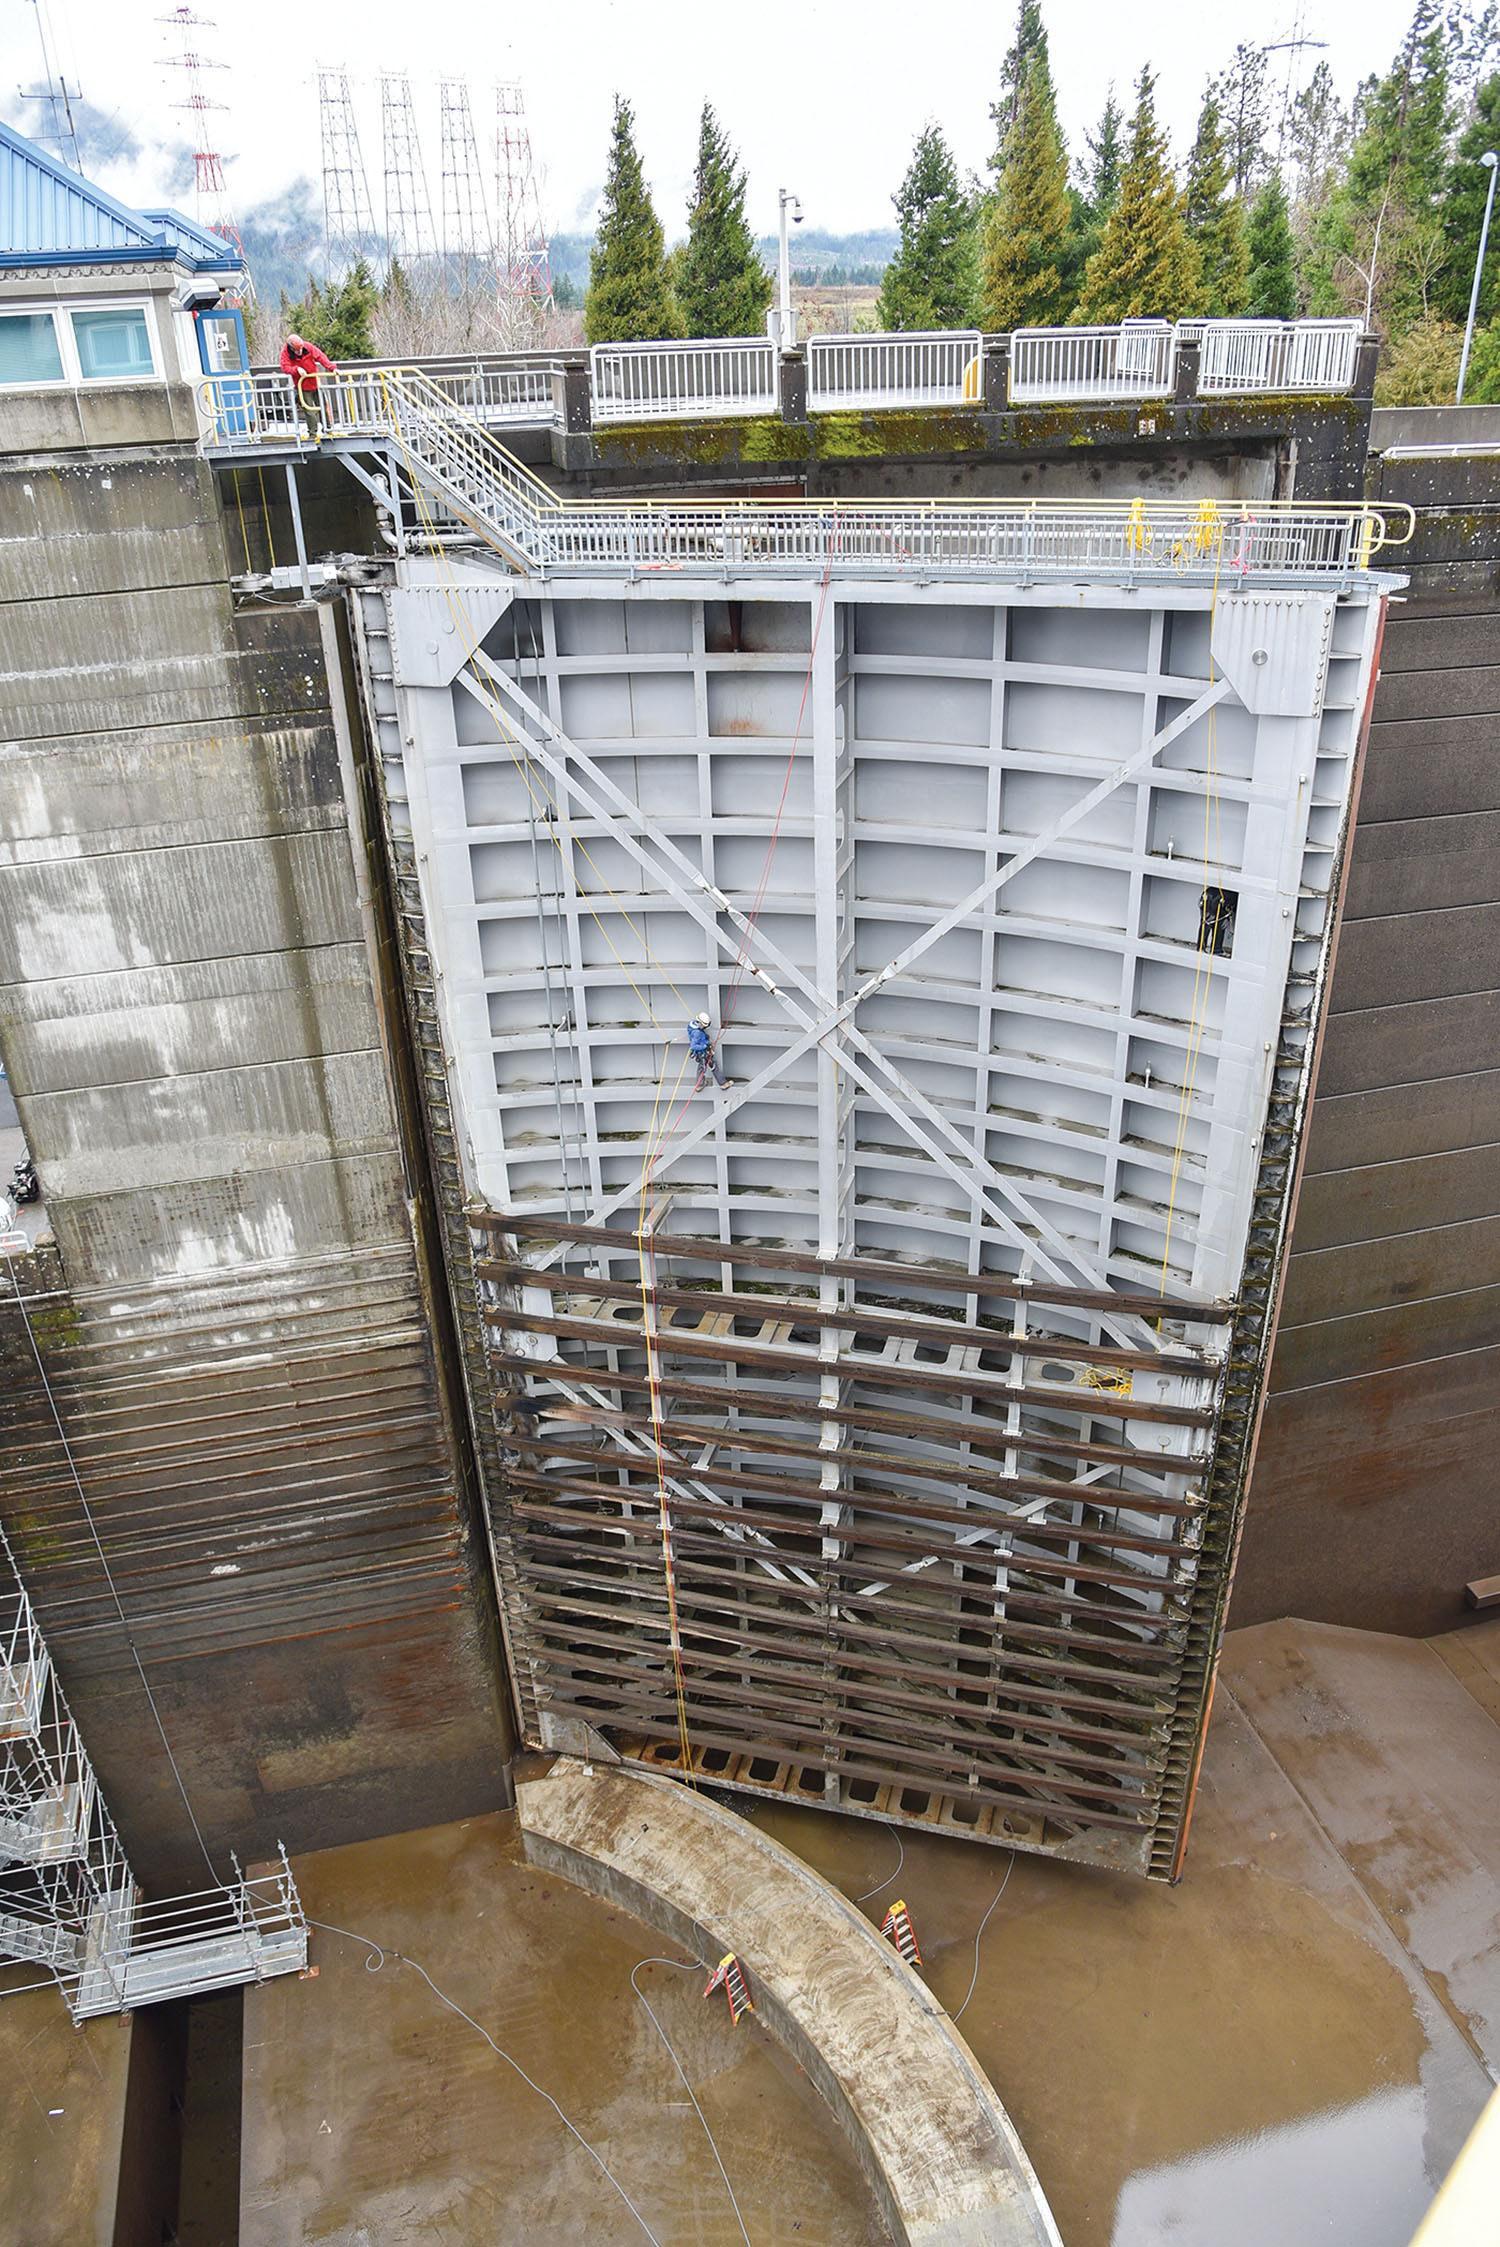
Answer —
(69, 1902)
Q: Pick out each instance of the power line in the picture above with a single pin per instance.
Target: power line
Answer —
(348, 226)
(212, 205)
(408, 207)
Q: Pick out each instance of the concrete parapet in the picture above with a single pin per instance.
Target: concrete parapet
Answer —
(936, 2144)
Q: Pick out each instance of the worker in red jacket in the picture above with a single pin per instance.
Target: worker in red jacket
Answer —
(303, 361)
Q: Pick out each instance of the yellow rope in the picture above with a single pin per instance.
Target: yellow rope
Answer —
(265, 508)
(653, 1376)
(240, 509)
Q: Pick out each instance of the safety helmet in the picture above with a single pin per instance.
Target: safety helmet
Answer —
(703, 1021)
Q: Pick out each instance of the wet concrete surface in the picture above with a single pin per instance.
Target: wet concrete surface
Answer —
(374, 2117)
(1256, 2058)
(1289, 2048)
(62, 2107)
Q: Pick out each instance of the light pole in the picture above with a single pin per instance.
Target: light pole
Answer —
(1489, 159)
(786, 323)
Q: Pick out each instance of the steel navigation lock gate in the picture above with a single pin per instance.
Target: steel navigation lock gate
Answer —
(874, 1431)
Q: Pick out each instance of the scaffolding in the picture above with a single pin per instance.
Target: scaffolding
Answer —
(69, 1902)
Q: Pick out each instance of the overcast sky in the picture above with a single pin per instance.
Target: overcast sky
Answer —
(822, 96)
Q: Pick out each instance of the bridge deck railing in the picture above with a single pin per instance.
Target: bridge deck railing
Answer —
(1086, 366)
(705, 381)
(1245, 356)
(683, 381)
(855, 373)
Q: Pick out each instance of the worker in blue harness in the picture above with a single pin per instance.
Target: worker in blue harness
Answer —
(700, 1045)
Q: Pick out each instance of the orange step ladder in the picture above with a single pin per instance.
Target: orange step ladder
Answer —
(729, 1976)
(896, 1928)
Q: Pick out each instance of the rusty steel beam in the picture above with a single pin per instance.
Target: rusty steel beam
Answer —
(674, 1434)
(981, 1435)
(672, 1342)
(861, 1499)
(858, 1535)
(702, 1249)
(859, 1317)
(1025, 1643)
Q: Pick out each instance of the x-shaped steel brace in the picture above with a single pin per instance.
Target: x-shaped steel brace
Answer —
(1009, 1208)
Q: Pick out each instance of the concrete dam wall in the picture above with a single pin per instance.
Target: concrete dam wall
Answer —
(263, 1326)
(240, 1327)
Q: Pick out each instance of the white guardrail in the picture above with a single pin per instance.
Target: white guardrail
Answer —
(848, 373)
(683, 381)
(1243, 356)
(1092, 366)
(640, 382)
(466, 482)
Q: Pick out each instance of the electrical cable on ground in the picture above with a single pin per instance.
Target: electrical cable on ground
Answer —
(896, 1875)
(380, 1954)
(88, 1515)
(983, 1924)
(686, 1966)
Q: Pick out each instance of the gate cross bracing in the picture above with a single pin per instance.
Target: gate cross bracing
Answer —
(952, 1530)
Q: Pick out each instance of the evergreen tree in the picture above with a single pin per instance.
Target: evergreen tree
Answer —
(1027, 223)
(1273, 281)
(1319, 139)
(722, 288)
(1147, 263)
(1106, 149)
(1215, 220)
(1243, 95)
(338, 319)
(1029, 47)
(1463, 214)
(629, 300)
(1405, 119)
(1378, 241)
(929, 283)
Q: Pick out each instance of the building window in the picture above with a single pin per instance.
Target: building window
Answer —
(113, 346)
(28, 348)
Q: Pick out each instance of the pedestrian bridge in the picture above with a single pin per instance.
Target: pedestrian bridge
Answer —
(436, 458)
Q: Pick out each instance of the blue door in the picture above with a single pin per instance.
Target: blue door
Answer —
(223, 351)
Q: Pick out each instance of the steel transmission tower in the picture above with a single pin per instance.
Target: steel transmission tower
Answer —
(212, 206)
(467, 241)
(525, 270)
(408, 208)
(348, 227)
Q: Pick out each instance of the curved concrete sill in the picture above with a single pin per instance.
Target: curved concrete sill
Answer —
(937, 2146)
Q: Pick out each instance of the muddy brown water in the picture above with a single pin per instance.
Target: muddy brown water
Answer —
(374, 2117)
(1256, 2058)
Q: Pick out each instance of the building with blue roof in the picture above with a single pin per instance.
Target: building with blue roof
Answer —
(101, 309)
